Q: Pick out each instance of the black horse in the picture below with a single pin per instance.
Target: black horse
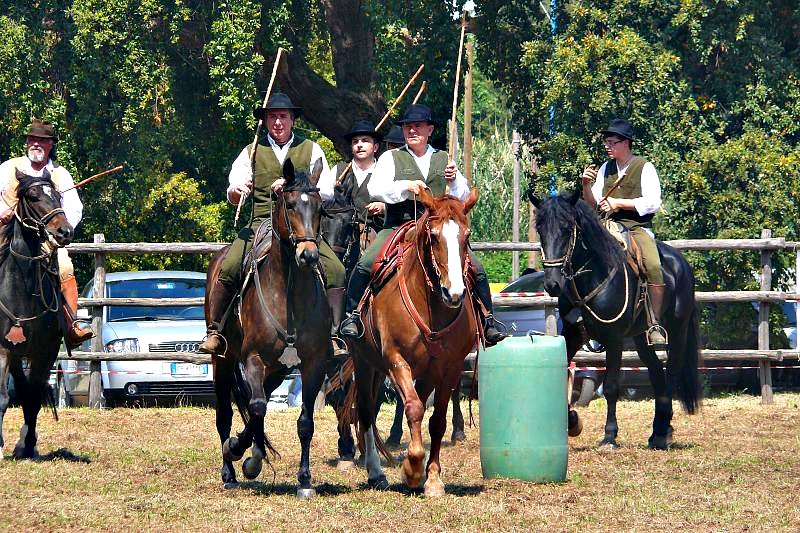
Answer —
(587, 269)
(30, 301)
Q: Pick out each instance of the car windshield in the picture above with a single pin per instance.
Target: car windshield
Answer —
(533, 282)
(156, 288)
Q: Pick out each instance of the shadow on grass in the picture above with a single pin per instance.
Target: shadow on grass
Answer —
(63, 454)
(455, 490)
(290, 489)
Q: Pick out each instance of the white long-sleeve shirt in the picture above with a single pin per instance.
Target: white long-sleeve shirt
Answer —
(383, 187)
(648, 202)
(241, 171)
(70, 201)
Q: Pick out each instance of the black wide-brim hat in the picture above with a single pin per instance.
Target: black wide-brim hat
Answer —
(363, 127)
(395, 136)
(620, 127)
(278, 101)
(42, 129)
(416, 113)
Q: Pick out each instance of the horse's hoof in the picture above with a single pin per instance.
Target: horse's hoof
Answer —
(257, 408)
(306, 494)
(251, 467)
(344, 465)
(393, 441)
(412, 480)
(378, 483)
(458, 436)
(607, 445)
(227, 450)
(434, 489)
(230, 485)
(575, 424)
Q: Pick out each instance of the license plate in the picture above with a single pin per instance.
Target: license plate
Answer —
(188, 369)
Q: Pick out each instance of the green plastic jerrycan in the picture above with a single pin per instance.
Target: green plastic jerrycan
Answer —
(522, 392)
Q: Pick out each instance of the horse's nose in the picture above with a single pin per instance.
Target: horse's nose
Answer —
(64, 235)
(452, 300)
(308, 256)
(552, 287)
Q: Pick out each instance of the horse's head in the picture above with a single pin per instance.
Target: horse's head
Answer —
(339, 224)
(446, 228)
(298, 213)
(39, 208)
(557, 224)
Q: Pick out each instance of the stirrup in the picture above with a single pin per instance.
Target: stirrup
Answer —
(657, 329)
(353, 319)
(339, 346)
(200, 349)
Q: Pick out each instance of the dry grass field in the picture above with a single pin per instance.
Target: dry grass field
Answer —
(735, 467)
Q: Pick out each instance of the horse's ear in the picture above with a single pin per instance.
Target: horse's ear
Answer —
(472, 199)
(19, 174)
(574, 196)
(46, 175)
(426, 198)
(535, 200)
(288, 170)
(316, 172)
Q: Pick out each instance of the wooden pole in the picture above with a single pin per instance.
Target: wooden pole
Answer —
(515, 149)
(95, 177)
(451, 147)
(420, 92)
(387, 115)
(764, 367)
(258, 131)
(96, 398)
(467, 153)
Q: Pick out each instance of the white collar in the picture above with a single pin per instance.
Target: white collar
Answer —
(276, 145)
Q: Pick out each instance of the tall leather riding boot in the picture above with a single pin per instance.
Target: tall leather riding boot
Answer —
(656, 334)
(336, 301)
(218, 302)
(490, 330)
(75, 333)
(352, 325)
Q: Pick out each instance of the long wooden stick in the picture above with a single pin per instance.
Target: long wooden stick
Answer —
(419, 94)
(386, 115)
(258, 131)
(452, 146)
(96, 176)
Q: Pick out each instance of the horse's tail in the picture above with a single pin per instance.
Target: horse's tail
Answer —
(50, 400)
(241, 392)
(690, 391)
(366, 409)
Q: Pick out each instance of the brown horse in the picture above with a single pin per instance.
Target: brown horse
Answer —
(283, 314)
(419, 326)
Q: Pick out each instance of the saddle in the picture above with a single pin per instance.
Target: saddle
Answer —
(633, 254)
(262, 242)
(390, 256)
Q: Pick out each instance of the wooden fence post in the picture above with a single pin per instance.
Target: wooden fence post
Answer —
(516, 150)
(550, 322)
(764, 366)
(96, 399)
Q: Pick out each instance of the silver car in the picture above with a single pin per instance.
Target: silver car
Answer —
(145, 329)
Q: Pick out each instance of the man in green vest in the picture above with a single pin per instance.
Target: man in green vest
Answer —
(634, 202)
(279, 115)
(399, 175)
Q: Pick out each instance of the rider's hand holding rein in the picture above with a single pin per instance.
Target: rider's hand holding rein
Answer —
(235, 193)
(376, 208)
(277, 185)
(7, 215)
(416, 186)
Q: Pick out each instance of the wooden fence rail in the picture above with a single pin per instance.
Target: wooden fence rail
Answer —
(766, 245)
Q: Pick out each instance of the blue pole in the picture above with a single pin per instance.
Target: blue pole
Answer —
(552, 121)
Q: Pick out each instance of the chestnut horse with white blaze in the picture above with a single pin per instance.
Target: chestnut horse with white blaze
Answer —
(419, 326)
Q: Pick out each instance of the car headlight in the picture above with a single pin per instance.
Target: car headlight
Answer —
(123, 345)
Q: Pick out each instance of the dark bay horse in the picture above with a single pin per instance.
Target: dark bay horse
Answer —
(419, 326)
(586, 268)
(283, 314)
(30, 300)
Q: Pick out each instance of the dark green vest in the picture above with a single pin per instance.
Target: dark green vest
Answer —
(630, 188)
(406, 169)
(268, 169)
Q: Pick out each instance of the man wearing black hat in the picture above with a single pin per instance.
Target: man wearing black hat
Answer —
(394, 139)
(399, 175)
(633, 203)
(279, 115)
(41, 154)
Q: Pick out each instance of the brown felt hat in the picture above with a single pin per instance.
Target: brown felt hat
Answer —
(41, 129)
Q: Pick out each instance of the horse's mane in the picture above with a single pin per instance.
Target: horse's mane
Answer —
(449, 207)
(596, 237)
(300, 182)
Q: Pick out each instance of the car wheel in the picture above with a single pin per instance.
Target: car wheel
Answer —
(64, 397)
